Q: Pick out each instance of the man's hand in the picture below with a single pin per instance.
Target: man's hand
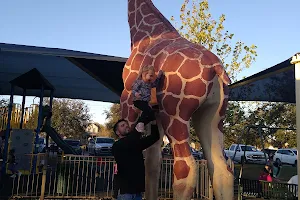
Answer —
(138, 95)
(140, 127)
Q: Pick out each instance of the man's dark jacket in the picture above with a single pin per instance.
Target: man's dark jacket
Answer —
(128, 153)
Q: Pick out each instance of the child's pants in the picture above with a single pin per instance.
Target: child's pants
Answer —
(148, 113)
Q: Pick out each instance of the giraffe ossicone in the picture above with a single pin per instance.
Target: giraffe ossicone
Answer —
(195, 86)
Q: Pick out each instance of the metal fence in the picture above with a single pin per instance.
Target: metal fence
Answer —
(89, 177)
(267, 190)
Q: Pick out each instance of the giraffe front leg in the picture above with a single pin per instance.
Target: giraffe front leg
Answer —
(185, 168)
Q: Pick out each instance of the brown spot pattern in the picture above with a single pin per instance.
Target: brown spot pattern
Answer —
(181, 169)
(133, 32)
(158, 29)
(170, 104)
(195, 87)
(137, 61)
(208, 74)
(151, 19)
(187, 107)
(176, 46)
(209, 58)
(124, 96)
(145, 9)
(132, 116)
(157, 49)
(190, 69)
(180, 129)
(125, 73)
(129, 81)
(139, 36)
(170, 35)
(131, 6)
(143, 45)
(145, 27)
(147, 61)
(165, 120)
(219, 69)
(129, 60)
(191, 53)
(138, 18)
(124, 113)
(172, 63)
(182, 150)
(175, 84)
(159, 60)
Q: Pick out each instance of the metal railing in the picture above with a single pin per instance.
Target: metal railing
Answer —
(87, 177)
(268, 190)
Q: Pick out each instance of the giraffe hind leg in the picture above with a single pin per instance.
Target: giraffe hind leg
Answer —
(207, 121)
(185, 170)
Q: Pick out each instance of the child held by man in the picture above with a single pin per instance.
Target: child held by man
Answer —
(141, 91)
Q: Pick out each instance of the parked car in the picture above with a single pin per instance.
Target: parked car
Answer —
(75, 144)
(100, 146)
(270, 152)
(287, 156)
(246, 153)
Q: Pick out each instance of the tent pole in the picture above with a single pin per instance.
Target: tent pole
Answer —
(8, 129)
(296, 61)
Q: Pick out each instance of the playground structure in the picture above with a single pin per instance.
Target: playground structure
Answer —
(25, 141)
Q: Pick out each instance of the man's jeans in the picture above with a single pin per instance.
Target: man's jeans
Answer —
(130, 197)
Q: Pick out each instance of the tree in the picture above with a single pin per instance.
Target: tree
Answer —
(198, 26)
(33, 119)
(70, 117)
(276, 115)
(112, 116)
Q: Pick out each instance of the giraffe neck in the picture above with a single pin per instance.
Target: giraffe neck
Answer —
(144, 17)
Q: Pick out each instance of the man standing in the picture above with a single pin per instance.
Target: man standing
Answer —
(128, 153)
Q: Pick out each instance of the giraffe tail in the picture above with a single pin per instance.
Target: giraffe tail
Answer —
(220, 71)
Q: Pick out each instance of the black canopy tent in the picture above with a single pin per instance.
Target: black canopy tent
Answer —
(275, 84)
(73, 74)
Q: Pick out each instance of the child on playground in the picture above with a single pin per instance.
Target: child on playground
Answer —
(141, 90)
(12, 164)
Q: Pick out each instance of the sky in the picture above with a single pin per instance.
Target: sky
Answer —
(99, 26)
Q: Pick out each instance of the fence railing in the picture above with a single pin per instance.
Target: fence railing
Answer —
(268, 190)
(86, 177)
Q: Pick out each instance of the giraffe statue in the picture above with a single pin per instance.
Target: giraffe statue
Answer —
(195, 86)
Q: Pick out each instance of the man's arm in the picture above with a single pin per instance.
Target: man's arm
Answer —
(147, 141)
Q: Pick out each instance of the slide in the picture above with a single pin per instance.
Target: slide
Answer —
(59, 141)
(47, 114)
